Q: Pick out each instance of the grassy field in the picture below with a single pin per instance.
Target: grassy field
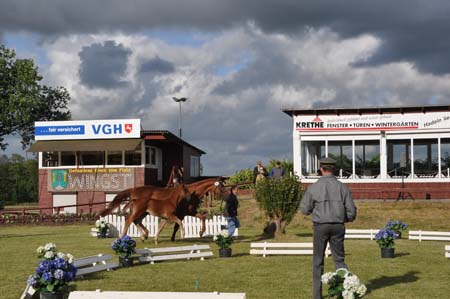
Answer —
(419, 270)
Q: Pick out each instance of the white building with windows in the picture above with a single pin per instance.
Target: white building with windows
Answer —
(376, 148)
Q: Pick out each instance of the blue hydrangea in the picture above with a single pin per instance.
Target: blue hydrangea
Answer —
(47, 277)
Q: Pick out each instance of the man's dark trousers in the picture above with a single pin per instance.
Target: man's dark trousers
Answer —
(333, 233)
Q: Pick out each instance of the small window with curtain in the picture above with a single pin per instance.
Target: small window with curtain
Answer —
(195, 166)
(49, 159)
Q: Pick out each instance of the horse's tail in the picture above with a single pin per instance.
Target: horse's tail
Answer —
(118, 199)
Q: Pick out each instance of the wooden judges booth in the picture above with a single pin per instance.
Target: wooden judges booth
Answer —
(84, 162)
(387, 153)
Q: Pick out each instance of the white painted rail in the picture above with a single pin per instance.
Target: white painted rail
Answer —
(153, 295)
(192, 226)
(153, 255)
(428, 235)
(361, 233)
(280, 249)
(92, 264)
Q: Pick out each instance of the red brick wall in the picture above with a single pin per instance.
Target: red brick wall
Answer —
(383, 191)
(86, 197)
(45, 198)
(139, 176)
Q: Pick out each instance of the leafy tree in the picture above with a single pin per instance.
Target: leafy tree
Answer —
(241, 176)
(19, 179)
(279, 199)
(23, 100)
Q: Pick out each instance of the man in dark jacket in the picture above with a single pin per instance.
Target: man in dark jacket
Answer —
(331, 205)
(230, 210)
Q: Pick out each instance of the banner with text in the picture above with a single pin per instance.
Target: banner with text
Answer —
(90, 179)
(372, 122)
(87, 129)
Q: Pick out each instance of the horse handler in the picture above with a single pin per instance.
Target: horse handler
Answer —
(331, 205)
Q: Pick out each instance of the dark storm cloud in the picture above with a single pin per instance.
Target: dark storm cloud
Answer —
(412, 30)
(103, 65)
(158, 66)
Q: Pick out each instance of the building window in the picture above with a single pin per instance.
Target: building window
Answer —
(133, 158)
(92, 158)
(195, 166)
(49, 159)
(115, 158)
(312, 152)
(425, 158)
(341, 151)
(68, 159)
(398, 158)
(150, 156)
(445, 157)
(367, 156)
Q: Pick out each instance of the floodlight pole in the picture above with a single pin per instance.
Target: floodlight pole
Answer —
(179, 101)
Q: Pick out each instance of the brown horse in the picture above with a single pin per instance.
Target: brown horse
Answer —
(157, 201)
(198, 190)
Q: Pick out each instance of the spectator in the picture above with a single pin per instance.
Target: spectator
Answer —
(230, 210)
(259, 172)
(277, 172)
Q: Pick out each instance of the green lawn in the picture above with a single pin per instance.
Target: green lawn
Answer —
(419, 270)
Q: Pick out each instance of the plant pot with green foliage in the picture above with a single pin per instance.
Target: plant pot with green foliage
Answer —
(224, 241)
(385, 240)
(53, 273)
(124, 247)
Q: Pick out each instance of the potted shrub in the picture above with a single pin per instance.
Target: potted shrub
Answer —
(385, 239)
(343, 284)
(53, 273)
(102, 228)
(397, 226)
(124, 247)
(223, 240)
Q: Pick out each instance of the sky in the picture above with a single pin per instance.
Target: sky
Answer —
(238, 63)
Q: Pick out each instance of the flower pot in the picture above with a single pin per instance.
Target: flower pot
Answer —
(101, 235)
(125, 262)
(387, 253)
(225, 252)
(51, 295)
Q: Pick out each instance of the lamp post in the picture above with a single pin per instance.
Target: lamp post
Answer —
(179, 101)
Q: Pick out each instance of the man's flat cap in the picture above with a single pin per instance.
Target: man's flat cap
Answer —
(327, 162)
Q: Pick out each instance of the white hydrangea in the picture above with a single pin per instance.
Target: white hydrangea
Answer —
(351, 283)
(224, 233)
(49, 255)
(361, 290)
(61, 255)
(69, 258)
(327, 277)
(97, 223)
(348, 295)
(50, 247)
(40, 250)
(215, 238)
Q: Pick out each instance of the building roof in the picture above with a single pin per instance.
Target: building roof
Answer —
(365, 110)
(166, 135)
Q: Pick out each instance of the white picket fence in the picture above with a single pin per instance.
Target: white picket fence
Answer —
(192, 226)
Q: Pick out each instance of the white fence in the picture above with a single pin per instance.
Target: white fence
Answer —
(192, 226)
